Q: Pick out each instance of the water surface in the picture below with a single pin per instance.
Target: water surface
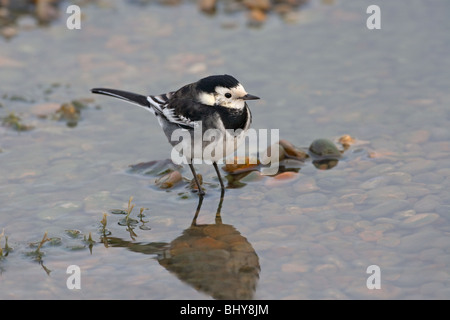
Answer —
(312, 236)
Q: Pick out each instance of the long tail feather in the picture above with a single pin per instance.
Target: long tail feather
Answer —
(130, 97)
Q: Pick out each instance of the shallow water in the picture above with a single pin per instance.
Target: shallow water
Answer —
(312, 236)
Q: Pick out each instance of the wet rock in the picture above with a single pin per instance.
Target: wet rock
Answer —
(241, 165)
(291, 151)
(256, 17)
(324, 148)
(155, 168)
(207, 6)
(169, 180)
(253, 176)
(8, 32)
(270, 153)
(281, 179)
(69, 112)
(193, 185)
(346, 141)
(45, 10)
(263, 5)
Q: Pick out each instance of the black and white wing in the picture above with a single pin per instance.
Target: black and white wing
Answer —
(161, 104)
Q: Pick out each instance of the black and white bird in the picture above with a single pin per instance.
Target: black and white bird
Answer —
(216, 102)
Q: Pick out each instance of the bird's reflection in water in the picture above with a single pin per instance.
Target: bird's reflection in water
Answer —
(213, 258)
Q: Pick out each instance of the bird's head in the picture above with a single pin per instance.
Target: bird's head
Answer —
(223, 90)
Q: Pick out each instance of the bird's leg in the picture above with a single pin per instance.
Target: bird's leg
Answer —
(200, 190)
(219, 208)
(220, 178)
(200, 201)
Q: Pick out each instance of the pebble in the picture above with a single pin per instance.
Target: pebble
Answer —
(419, 166)
(427, 204)
(413, 191)
(8, 32)
(282, 179)
(404, 214)
(428, 178)
(375, 182)
(252, 196)
(169, 180)
(295, 267)
(371, 235)
(399, 177)
(313, 199)
(378, 170)
(330, 225)
(305, 184)
(419, 136)
(389, 241)
(207, 6)
(326, 268)
(331, 183)
(419, 220)
(385, 209)
(386, 193)
(324, 148)
(263, 5)
(256, 17)
(417, 241)
(275, 233)
(356, 198)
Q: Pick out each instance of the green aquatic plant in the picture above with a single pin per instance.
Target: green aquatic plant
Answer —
(89, 242)
(37, 254)
(13, 121)
(5, 250)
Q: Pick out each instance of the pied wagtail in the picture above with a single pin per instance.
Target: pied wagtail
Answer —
(215, 102)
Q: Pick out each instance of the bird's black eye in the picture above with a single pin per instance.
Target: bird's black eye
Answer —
(228, 95)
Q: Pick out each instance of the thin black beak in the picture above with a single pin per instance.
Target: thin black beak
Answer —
(249, 97)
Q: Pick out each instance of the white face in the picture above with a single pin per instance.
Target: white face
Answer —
(225, 97)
